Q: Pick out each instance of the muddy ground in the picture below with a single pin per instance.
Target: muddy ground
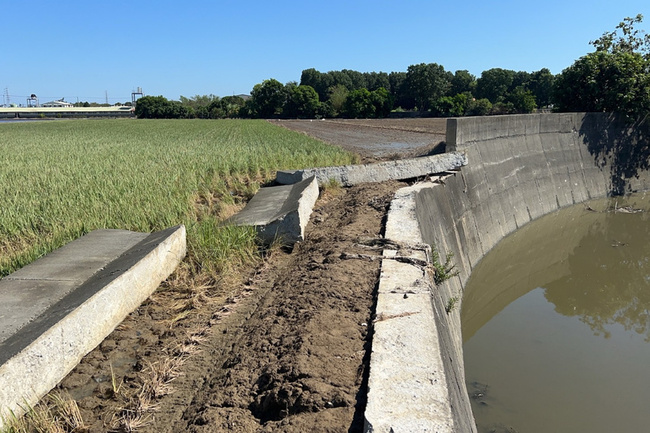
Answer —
(282, 347)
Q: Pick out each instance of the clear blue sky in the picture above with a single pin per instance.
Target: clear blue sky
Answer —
(86, 50)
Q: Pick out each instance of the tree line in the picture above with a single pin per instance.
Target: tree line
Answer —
(615, 77)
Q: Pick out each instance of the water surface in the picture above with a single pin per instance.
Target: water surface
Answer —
(556, 323)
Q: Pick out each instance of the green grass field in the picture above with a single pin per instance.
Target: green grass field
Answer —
(61, 179)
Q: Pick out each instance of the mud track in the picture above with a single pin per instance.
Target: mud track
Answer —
(284, 347)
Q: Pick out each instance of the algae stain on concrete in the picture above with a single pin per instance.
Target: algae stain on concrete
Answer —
(556, 324)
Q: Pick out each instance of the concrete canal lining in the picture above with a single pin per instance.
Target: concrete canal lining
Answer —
(520, 168)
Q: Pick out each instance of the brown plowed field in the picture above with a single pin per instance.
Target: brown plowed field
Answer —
(376, 139)
(282, 348)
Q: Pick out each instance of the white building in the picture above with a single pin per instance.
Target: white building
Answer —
(57, 104)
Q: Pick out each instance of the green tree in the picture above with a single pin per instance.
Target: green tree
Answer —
(382, 101)
(268, 99)
(494, 84)
(318, 81)
(522, 100)
(399, 91)
(462, 82)
(456, 106)
(603, 81)
(426, 83)
(359, 104)
(541, 84)
(632, 40)
(302, 102)
(356, 78)
(478, 107)
(200, 104)
(377, 80)
(337, 96)
(159, 107)
(151, 107)
(230, 105)
(614, 78)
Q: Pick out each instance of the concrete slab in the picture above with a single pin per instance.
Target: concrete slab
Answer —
(49, 322)
(280, 211)
(28, 292)
(407, 385)
(349, 175)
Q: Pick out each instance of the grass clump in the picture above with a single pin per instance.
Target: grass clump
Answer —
(58, 414)
(451, 304)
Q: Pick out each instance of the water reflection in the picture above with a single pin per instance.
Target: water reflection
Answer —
(609, 276)
(603, 245)
(556, 321)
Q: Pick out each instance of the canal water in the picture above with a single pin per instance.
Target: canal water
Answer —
(556, 323)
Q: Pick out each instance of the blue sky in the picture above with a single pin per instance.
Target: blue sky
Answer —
(87, 50)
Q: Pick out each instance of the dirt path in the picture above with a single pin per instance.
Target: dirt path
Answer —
(284, 350)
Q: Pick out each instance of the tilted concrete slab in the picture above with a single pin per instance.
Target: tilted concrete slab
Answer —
(57, 309)
(349, 175)
(280, 211)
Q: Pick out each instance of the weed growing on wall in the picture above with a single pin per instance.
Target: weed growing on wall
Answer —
(442, 271)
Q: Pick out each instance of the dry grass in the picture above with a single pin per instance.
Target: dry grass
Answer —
(58, 413)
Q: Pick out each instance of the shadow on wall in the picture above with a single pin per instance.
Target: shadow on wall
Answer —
(623, 143)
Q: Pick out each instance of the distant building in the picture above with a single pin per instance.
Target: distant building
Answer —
(57, 104)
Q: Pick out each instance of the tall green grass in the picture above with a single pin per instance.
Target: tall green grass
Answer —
(61, 179)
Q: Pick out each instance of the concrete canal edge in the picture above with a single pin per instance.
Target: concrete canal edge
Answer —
(63, 305)
(520, 168)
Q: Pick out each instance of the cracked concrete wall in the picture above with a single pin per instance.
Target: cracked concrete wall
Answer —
(520, 168)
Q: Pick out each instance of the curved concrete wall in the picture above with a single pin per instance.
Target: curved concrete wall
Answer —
(520, 168)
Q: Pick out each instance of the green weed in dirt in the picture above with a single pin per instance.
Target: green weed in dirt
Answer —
(61, 179)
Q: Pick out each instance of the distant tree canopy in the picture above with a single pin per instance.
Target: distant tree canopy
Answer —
(159, 107)
(616, 77)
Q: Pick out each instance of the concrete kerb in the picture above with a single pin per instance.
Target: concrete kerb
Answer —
(407, 386)
(349, 175)
(40, 353)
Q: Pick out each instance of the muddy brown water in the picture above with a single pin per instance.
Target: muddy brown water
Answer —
(556, 324)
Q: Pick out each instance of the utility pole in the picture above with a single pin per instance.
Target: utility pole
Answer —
(106, 93)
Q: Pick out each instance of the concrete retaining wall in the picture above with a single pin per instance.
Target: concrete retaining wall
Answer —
(520, 168)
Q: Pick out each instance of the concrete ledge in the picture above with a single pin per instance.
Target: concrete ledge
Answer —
(407, 386)
(280, 211)
(57, 309)
(349, 175)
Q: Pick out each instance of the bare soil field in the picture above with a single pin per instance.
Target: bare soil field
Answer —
(283, 347)
(377, 139)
